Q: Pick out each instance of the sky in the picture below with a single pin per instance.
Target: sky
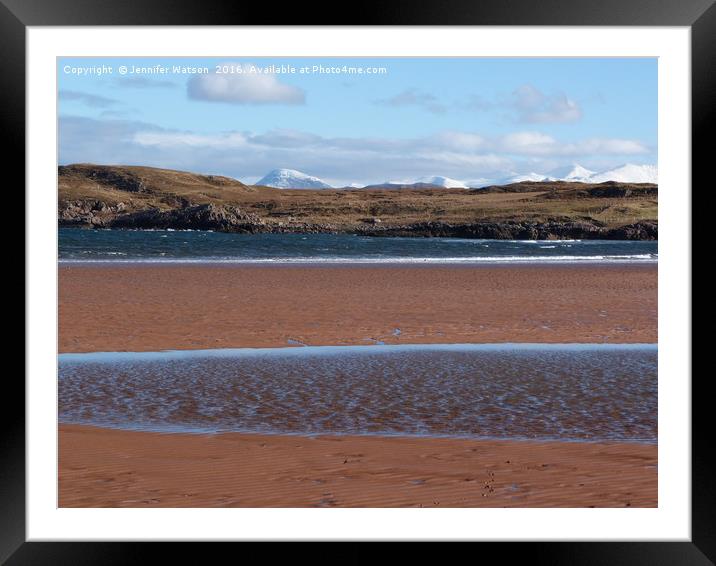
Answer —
(359, 121)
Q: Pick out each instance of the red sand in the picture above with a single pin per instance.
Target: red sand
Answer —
(140, 308)
(109, 468)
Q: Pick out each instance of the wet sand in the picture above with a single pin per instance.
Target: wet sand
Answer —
(110, 468)
(153, 307)
(569, 394)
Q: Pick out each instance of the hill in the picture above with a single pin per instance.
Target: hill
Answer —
(144, 197)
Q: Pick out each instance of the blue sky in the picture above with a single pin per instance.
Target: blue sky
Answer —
(464, 118)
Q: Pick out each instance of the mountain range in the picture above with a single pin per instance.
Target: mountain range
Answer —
(575, 173)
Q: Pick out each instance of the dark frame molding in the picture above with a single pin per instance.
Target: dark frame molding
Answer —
(16, 15)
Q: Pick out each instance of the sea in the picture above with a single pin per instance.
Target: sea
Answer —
(169, 246)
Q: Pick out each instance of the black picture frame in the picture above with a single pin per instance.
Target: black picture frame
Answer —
(16, 15)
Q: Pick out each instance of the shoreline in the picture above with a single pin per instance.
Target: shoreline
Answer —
(101, 467)
(641, 231)
(358, 262)
(229, 220)
(185, 431)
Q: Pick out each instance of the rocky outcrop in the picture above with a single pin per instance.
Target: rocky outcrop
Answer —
(88, 213)
(97, 214)
(637, 231)
(522, 231)
(221, 218)
(228, 218)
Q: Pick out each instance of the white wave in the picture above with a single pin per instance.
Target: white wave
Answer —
(642, 258)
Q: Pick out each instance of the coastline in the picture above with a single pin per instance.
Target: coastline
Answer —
(232, 223)
(151, 307)
(116, 468)
(339, 262)
(102, 196)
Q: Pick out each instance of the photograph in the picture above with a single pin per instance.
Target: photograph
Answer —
(357, 282)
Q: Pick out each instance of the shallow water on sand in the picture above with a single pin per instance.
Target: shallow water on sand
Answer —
(569, 392)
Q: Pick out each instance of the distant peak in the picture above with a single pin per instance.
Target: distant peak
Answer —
(445, 182)
(628, 173)
(291, 179)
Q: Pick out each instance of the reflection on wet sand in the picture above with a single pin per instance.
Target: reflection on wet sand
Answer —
(572, 392)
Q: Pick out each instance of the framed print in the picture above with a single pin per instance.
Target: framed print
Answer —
(392, 279)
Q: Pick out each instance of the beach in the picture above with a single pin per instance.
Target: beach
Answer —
(112, 468)
(149, 307)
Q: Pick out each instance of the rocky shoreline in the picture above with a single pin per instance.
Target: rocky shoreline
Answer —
(231, 219)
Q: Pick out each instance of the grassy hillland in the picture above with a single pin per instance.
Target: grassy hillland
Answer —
(144, 197)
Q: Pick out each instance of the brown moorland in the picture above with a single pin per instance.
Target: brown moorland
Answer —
(95, 195)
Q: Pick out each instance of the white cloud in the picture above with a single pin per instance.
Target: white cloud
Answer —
(475, 163)
(526, 104)
(609, 147)
(177, 139)
(249, 84)
(340, 161)
(539, 144)
(285, 138)
(535, 107)
(528, 142)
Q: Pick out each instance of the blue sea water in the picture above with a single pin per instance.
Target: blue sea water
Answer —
(77, 245)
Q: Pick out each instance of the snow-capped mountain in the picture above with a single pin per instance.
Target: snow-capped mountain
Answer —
(628, 173)
(574, 172)
(432, 181)
(476, 183)
(520, 178)
(291, 179)
(445, 182)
